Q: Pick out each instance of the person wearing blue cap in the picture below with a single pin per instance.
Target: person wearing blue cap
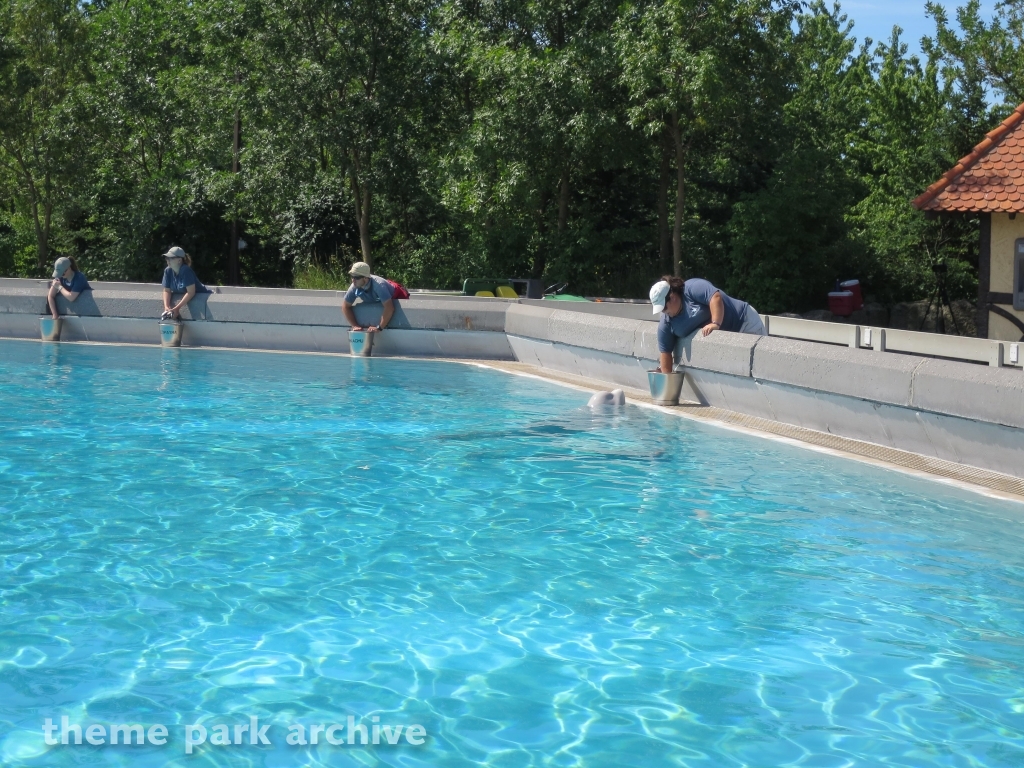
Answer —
(688, 305)
(67, 281)
(179, 278)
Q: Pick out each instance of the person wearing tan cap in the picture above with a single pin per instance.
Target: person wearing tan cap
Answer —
(368, 289)
(67, 281)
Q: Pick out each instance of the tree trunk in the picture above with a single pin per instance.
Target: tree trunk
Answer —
(44, 244)
(362, 197)
(563, 201)
(42, 247)
(677, 230)
(42, 227)
(364, 226)
(234, 273)
(664, 235)
(540, 260)
(41, 244)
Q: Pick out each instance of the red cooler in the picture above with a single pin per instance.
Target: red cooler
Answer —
(853, 286)
(841, 303)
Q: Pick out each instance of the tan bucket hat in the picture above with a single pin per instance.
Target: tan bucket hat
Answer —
(360, 269)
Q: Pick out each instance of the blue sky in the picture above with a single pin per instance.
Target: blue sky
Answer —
(875, 18)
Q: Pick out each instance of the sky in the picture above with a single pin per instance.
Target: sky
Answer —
(875, 19)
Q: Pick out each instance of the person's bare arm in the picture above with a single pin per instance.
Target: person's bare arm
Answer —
(388, 312)
(666, 362)
(56, 288)
(51, 296)
(717, 307)
(346, 310)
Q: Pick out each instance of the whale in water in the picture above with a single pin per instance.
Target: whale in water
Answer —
(615, 397)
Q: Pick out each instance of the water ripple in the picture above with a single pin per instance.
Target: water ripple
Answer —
(196, 537)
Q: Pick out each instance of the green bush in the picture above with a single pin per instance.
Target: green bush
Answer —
(316, 277)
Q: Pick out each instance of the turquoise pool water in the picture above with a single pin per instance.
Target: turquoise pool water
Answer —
(192, 536)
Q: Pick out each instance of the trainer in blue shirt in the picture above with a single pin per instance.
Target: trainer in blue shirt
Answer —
(67, 281)
(696, 303)
(368, 288)
(179, 278)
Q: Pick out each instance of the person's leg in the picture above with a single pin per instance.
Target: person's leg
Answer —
(184, 302)
(752, 323)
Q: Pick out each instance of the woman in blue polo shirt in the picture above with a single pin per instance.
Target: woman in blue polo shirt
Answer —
(179, 278)
(67, 281)
(696, 303)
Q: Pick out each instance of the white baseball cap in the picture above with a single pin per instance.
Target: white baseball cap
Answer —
(175, 253)
(659, 295)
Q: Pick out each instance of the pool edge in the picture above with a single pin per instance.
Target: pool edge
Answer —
(963, 476)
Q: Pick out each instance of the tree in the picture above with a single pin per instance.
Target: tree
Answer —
(342, 80)
(789, 239)
(919, 120)
(683, 65)
(540, 103)
(991, 50)
(43, 55)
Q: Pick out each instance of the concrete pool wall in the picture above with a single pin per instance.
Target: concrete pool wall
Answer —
(954, 411)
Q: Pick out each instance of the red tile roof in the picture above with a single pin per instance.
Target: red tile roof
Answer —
(989, 179)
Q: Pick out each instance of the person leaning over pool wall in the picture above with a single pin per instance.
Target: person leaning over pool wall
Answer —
(179, 278)
(370, 289)
(67, 281)
(696, 303)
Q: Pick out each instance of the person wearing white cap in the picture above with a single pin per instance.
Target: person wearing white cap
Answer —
(179, 277)
(67, 281)
(368, 288)
(696, 303)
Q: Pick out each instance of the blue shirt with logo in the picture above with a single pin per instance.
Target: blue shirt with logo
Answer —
(378, 289)
(696, 314)
(76, 284)
(179, 283)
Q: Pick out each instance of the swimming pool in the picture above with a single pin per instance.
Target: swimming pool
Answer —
(192, 536)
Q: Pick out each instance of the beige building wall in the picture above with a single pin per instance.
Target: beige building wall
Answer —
(1005, 232)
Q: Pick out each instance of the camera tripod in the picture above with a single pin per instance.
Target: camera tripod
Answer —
(940, 298)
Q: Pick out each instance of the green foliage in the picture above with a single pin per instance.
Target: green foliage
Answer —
(789, 238)
(920, 120)
(323, 277)
(43, 64)
(592, 142)
(8, 246)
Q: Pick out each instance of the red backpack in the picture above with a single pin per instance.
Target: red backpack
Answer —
(399, 291)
